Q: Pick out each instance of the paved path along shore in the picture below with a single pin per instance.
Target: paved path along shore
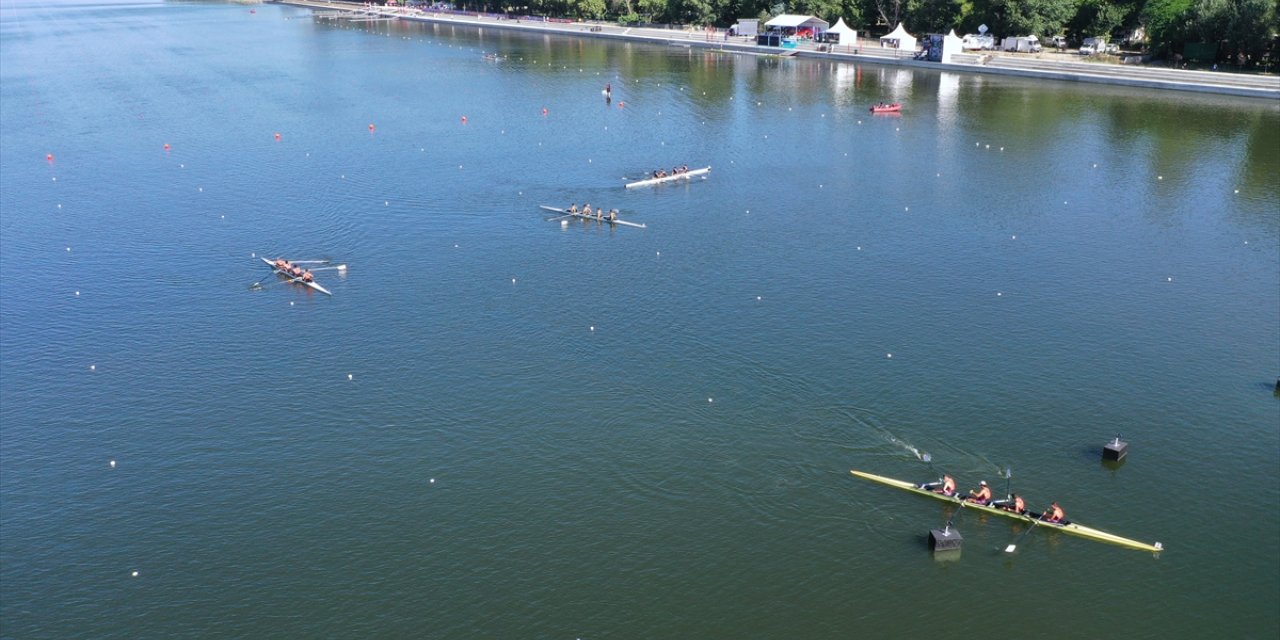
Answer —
(1256, 86)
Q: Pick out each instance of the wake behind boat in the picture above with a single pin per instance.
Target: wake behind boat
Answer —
(598, 217)
(1027, 517)
(683, 175)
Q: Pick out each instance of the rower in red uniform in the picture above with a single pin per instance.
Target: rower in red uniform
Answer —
(1014, 504)
(982, 495)
(1053, 514)
(946, 486)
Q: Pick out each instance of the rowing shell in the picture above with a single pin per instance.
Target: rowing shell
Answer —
(591, 217)
(313, 285)
(686, 175)
(1068, 527)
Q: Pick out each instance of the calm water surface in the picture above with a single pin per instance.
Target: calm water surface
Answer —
(501, 426)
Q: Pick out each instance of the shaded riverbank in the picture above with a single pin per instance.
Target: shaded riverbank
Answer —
(1010, 65)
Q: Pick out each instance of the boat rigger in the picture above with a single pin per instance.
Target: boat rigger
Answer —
(296, 279)
(683, 175)
(597, 217)
(1028, 517)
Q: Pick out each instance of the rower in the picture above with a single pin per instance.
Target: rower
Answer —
(307, 277)
(281, 263)
(573, 207)
(613, 214)
(982, 495)
(1053, 514)
(296, 271)
(684, 168)
(1014, 504)
(600, 213)
(946, 486)
(586, 209)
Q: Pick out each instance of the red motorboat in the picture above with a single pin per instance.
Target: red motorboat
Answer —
(886, 108)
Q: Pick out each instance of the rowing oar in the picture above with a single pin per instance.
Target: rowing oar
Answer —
(1013, 547)
(310, 261)
(259, 285)
(339, 267)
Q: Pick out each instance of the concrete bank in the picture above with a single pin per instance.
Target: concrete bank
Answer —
(1252, 86)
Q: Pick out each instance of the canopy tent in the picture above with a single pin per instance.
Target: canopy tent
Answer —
(951, 45)
(790, 24)
(846, 35)
(899, 39)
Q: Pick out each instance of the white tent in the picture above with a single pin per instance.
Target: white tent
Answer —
(951, 44)
(899, 39)
(847, 36)
(795, 23)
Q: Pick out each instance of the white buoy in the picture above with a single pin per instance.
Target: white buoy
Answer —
(386, 203)
(1170, 280)
(564, 223)
(710, 400)
(182, 166)
(759, 298)
(93, 367)
(433, 481)
(659, 254)
(1237, 191)
(59, 205)
(113, 464)
(998, 294)
(350, 377)
(77, 293)
(200, 189)
(291, 303)
(859, 248)
(1159, 177)
(513, 281)
(888, 355)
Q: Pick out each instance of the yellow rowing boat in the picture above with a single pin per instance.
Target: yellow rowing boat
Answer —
(1065, 527)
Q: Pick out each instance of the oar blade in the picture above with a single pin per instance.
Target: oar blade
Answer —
(1011, 548)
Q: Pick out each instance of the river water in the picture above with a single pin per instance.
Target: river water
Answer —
(504, 426)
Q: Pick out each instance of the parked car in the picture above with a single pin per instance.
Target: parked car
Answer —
(1087, 50)
(1113, 49)
(1059, 42)
(974, 42)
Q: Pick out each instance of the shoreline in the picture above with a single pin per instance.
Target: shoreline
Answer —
(1213, 82)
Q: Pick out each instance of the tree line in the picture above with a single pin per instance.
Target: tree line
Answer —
(1240, 30)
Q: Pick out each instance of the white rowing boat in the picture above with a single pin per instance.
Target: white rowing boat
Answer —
(584, 216)
(281, 272)
(671, 178)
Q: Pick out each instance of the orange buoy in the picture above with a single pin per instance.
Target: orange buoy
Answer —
(544, 112)
(621, 104)
(464, 119)
(277, 136)
(166, 146)
(371, 126)
(49, 157)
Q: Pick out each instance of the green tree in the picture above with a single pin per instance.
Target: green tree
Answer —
(1098, 18)
(938, 16)
(1167, 22)
(1023, 17)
